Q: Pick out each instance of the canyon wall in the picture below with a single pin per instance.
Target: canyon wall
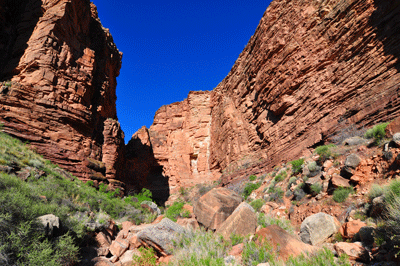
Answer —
(58, 71)
(312, 68)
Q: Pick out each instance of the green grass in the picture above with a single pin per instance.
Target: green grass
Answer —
(324, 151)
(252, 178)
(250, 187)
(316, 188)
(280, 177)
(174, 211)
(257, 204)
(341, 194)
(297, 165)
(377, 132)
(266, 220)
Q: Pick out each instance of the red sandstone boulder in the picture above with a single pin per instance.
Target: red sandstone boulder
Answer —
(214, 207)
(350, 229)
(287, 244)
(243, 221)
(354, 250)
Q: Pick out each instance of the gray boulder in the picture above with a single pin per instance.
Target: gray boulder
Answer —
(161, 236)
(51, 224)
(396, 139)
(354, 141)
(316, 228)
(151, 206)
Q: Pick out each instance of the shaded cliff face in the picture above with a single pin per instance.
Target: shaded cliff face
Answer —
(312, 68)
(62, 65)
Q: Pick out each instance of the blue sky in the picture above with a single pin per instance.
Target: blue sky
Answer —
(173, 47)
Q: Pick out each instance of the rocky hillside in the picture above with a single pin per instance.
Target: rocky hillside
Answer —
(311, 69)
(58, 71)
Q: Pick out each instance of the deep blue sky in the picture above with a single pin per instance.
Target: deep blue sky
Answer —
(173, 47)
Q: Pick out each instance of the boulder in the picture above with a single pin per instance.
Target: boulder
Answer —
(151, 206)
(316, 228)
(366, 235)
(288, 244)
(355, 251)
(188, 223)
(119, 246)
(350, 229)
(338, 181)
(161, 236)
(127, 258)
(351, 163)
(354, 141)
(51, 224)
(377, 207)
(243, 221)
(214, 207)
(396, 139)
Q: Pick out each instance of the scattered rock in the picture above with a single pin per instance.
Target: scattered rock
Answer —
(243, 221)
(161, 235)
(316, 228)
(353, 160)
(118, 247)
(214, 207)
(288, 244)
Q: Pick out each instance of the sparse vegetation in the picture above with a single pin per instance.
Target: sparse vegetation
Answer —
(375, 191)
(256, 253)
(147, 257)
(280, 176)
(297, 165)
(175, 211)
(316, 188)
(257, 204)
(341, 194)
(250, 187)
(265, 220)
(252, 178)
(377, 132)
(324, 152)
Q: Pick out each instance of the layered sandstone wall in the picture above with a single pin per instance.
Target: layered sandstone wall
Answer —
(312, 68)
(62, 65)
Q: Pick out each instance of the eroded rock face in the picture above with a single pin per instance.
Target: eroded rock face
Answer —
(311, 69)
(62, 65)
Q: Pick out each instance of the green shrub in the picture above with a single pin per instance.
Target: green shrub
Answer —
(252, 178)
(392, 191)
(275, 193)
(280, 177)
(257, 204)
(297, 165)
(250, 187)
(144, 195)
(377, 132)
(341, 194)
(292, 180)
(316, 188)
(256, 253)
(174, 211)
(375, 191)
(324, 152)
(147, 257)
(236, 239)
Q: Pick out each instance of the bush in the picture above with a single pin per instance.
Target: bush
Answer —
(236, 239)
(292, 180)
(375, 191)
(252, 178)
(147, 257)
(174, 211)
(324, 152)
(341, 194)
(316, 188)
(250, 187)
(280, 177)
(257, 204)
(297, 165)
(275, 194)
(377, 132)
(256, 253)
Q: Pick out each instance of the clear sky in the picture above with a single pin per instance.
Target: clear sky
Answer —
(173, 47)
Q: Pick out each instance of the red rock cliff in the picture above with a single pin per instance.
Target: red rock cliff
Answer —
(312, 67)
(62, 65)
